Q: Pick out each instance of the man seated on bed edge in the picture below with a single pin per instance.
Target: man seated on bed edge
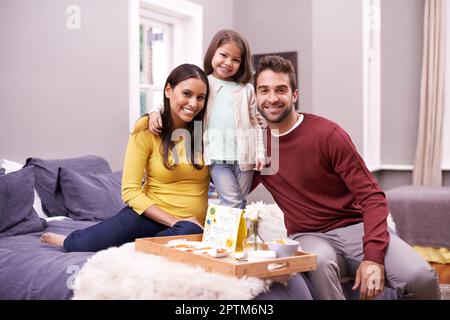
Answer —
(332, 204)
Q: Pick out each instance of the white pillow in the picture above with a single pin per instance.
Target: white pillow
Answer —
(11, 166)
(272, 224)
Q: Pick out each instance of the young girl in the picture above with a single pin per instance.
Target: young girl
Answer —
(232, 140)
(174, 197)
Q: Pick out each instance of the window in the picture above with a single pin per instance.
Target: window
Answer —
(446, 121)
(155, 61)
(162, 34)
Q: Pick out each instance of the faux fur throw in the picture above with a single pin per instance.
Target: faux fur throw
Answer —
(123, 273)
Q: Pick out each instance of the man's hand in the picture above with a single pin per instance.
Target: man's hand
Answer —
(370, 276)
(154, 122)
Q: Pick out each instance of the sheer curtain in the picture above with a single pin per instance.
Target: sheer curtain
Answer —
(427, 164)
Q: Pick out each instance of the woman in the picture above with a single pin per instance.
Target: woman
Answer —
(173, 198)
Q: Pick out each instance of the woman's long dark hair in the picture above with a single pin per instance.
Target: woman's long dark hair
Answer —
(179, 74)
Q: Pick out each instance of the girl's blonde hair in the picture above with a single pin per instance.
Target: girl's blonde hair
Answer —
(244, 74)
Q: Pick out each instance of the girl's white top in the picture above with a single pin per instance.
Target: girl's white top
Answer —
(249, 137)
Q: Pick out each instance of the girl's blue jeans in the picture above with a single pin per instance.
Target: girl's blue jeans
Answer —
(232, 184)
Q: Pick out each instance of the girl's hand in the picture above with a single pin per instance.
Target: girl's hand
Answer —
(261, 121)
(260, 163)
(154, 122)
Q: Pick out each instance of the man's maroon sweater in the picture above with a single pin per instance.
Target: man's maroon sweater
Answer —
(322, 184)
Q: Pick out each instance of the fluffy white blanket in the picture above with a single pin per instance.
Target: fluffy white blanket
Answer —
(123, 273)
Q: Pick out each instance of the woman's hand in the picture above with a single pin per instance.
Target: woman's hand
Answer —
(260, 163)
(156, 214)
(193, 220)
(154, 122)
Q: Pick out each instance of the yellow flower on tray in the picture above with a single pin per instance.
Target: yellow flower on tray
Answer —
(229, 242)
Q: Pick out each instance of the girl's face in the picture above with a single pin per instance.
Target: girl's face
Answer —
(226, 61)
(187, 99)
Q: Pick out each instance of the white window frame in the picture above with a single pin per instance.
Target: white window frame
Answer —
(372, 84)
(187, 20)
(149, 19)
(445, 162)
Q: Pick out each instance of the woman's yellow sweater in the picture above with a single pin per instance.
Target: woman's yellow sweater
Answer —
(182, 191)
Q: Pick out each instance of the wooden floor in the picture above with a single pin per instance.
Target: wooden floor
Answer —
(443, 271)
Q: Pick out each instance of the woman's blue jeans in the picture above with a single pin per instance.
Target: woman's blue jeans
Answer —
(125, 226)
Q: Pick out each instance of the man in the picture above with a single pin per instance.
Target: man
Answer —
(332, 204)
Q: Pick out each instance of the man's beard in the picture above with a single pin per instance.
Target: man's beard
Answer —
(278, 119)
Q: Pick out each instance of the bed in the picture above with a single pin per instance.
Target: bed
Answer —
(34, 270)
(64, 195)
(422, 214)
(31, 270)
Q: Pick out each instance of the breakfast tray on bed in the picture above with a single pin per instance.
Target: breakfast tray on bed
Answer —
(301, 262)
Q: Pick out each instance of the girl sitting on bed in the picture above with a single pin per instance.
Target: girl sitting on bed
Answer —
(164, 182)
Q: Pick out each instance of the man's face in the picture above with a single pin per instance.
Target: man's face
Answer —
(274, 96)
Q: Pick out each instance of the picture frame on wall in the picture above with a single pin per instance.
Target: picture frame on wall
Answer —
(289, 55)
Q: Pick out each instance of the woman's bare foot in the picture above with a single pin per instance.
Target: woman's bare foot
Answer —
(53, 239)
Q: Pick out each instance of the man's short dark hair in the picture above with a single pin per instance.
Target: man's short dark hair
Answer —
(276, 64)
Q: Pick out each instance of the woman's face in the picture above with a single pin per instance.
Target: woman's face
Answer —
(187, 99)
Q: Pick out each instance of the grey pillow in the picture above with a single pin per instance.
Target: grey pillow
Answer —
(17, 215)
(46, 175)
(89, 196)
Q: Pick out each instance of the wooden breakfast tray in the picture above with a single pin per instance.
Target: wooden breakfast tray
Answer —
(301, 262)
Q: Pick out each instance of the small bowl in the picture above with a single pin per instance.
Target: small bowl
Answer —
(287, 249)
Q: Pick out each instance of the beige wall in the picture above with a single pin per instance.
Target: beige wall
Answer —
(337, 64)
(401, 50)
(392, 179)
(217, 15)
(279, 26)
(63, 93)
